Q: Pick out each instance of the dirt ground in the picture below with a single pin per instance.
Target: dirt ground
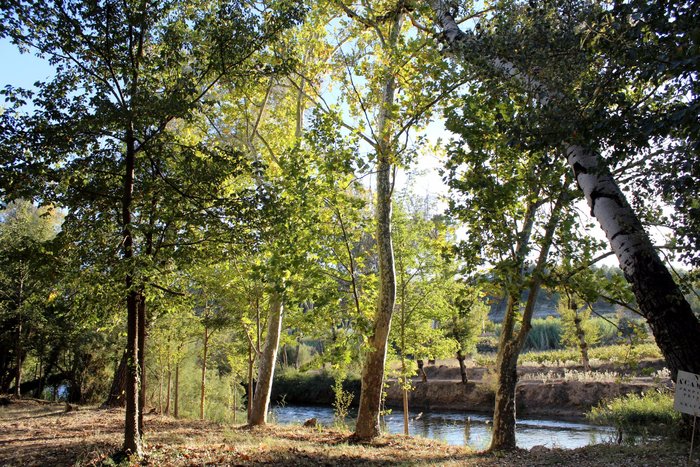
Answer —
(34, 433)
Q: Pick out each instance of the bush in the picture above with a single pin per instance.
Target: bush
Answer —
(621, 353)
(311, 387)
(544, 335)
(639, 415)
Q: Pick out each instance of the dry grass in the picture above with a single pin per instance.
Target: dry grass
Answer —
(34, 433)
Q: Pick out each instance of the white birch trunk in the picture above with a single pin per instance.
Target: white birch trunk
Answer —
(268, 358)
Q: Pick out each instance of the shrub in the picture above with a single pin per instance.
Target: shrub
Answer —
(651, 413)
(544, 335)
(621, 353)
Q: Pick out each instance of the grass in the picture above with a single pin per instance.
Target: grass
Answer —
(575, 375)
(620, 353)
(648, 414)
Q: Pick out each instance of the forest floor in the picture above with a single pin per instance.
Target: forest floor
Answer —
(39, 433)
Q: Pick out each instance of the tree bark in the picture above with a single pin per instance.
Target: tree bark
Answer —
(132, 437)
(367, 426)
(251, 362)
(582, 345)
(167, 393)
(117, 391)
(504, 415)
(462, 366)
(142, 357)
(176, 401)
(661, 302)
(268, 357)
(204, 373)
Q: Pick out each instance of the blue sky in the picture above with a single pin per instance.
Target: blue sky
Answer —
(21, 70)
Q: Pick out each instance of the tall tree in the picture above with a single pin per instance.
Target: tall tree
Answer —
(675, 328)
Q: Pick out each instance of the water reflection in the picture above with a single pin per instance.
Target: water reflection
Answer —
(459, 428)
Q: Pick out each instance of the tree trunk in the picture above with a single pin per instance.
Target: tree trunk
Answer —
(675, 327)
(462, 366)
(266, 369)
(511, 344)
(142, 357)
(176, 401)
(405, 410)
(204, 374)
(669, 315)
(116, 397)
(18, 337)
(18, 360)
(581, 335)
(132, 437)
(421, 370)
(251, 362)
(504, 410)
(367, 426)
(167, 390)
(235, 402)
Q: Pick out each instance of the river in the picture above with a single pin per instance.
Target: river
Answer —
(461, 428)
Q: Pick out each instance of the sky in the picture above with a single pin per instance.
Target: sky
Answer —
(21, 69)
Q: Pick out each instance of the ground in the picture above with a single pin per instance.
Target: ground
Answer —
(40, 433)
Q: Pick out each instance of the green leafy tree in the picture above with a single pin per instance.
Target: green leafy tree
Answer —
(125, 75)
(594, 68)
(27, 278)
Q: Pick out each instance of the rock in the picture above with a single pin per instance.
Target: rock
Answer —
(71, 407)
(311, 423)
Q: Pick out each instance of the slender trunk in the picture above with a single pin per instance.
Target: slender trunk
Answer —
(235, 401)
(421, 370)
(167, 391)
(504, 409)
(18, 359)
(118, 389)
(251, 361)
(404, 385)
(582, 345)
(462, 366)
(132, 436)
(142, 357)
(204, 374)
(160, 392)
(511, 344)
(18, 337)
(268, 357)
(176, 401)
(367, 426)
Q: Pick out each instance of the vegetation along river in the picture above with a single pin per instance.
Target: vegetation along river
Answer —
(461, 428)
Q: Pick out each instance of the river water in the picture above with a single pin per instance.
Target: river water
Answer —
(461, 428)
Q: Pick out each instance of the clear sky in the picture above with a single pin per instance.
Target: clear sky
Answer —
(21, 70)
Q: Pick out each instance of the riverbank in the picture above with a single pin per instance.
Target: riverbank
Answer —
(35, 433)
(542, 391)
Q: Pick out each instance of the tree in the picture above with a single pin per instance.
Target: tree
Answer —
(423, 290)
(27, 277)
(661, 302)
